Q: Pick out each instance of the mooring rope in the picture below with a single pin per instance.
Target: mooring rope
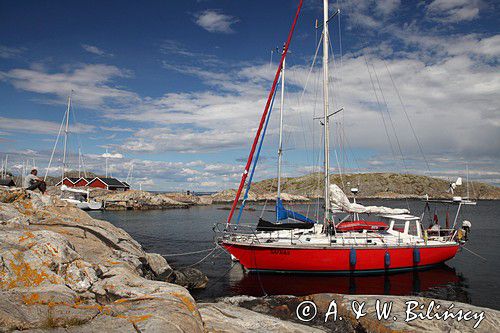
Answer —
(463, 247)
(204, 258)
(189, 253)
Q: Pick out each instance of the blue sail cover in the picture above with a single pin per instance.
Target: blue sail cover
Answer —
(282, 213)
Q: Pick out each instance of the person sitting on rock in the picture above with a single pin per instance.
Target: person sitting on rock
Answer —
(32, 182)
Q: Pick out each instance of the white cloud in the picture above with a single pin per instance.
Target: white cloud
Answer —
(215, 21)
(156, 175)
(7, 52)
(454, 10)
(163, 139)
(449, 101)
(29, 152)
(368, 13)
(116, 129)
(174, 48)
(39, 126)
(449, 84)
(111, 155)
(387, 7)
(208, 184)
(95, 50)
(170, 46)
(90, 84)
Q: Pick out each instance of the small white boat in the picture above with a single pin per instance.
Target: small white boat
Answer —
(79, 197)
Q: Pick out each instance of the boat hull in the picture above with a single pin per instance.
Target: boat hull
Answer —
(338, 260)
(84, 205)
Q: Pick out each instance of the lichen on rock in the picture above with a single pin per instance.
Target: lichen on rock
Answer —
(60, 268)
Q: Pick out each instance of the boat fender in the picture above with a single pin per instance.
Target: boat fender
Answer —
(352, 257)
(387, 259)
(416, 255)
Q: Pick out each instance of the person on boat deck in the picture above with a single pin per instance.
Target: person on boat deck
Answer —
(32, 182)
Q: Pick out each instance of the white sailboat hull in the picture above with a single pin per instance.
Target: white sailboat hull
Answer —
(93, 205)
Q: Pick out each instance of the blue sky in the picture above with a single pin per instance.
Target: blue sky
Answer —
(175, 88)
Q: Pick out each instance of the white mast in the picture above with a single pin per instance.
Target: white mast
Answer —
(79, 162)
(280, 144)
(129, 175)
(4, 167)
(6, 164)
(467, 167)
(66, 136)
(107, 162)
(23, 170)
(325, 110)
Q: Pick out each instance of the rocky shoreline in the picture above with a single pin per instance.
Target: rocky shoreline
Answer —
(63, 271)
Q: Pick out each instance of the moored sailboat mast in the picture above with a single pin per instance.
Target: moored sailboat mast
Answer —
(325, 115)
(280, 142)
(66, 137)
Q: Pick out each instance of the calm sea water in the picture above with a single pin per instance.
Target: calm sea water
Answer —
(466, 278)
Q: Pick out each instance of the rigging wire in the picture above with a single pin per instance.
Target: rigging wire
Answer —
(317, 153)
(79, 144)
(337, 95)
(340, 170)
(311, 68)
(390, 119)
(403, 106)
(306, 126)
(393, 128)
(55, 146)
(256, 157)
(355, 159)
(341, 81)
(341, 72)
(305, 86)
(380, 108)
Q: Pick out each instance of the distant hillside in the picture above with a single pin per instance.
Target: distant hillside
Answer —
(375, 185)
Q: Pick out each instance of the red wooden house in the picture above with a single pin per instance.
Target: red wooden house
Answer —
(68, 181)
(108, 183)
(83, 181)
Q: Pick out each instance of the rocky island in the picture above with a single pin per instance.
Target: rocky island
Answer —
(63, 271)
(374, 186)
(301, 189)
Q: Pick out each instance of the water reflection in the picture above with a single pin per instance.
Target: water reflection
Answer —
(442, 280)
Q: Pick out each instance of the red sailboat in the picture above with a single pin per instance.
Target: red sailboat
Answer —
(296, 243)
